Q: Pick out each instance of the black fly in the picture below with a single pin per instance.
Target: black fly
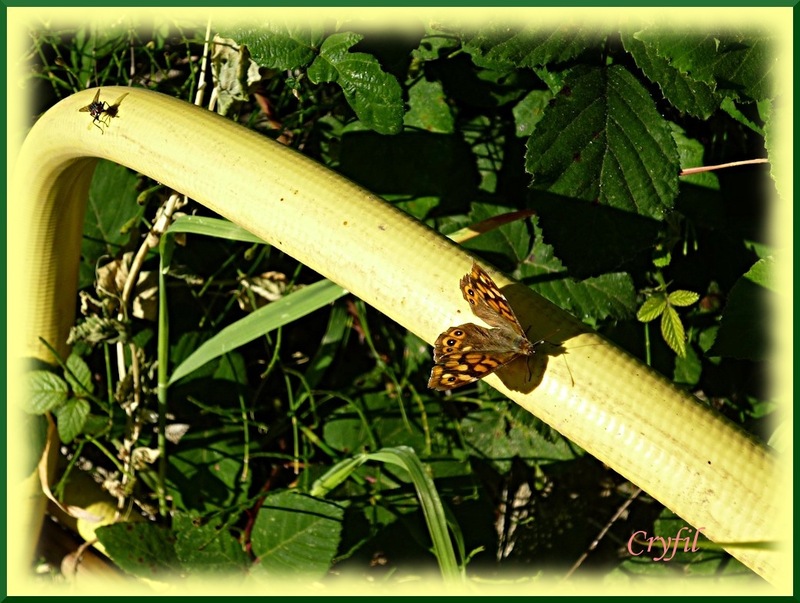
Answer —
(97, 108)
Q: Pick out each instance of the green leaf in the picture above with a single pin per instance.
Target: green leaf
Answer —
(609, 295)
(70, 418)
(692, 154)
(684, 91)
(207, 546)
(682, 298)
(332, 344)
(652, 308)
(374, 95)
(143, 549)
(205, 473)
(742, 64)
(512, 240)
(268, 318)
(763, 273)
(530, 46)
(502, 436)
(79, 376)
(296, 535)
(672, 330)
(46, 391)
(428, 108)
(603, 140)
(729, 106)
(529, 111)
(746, 324)
(110, 211)
(280, 45)
(688, 368)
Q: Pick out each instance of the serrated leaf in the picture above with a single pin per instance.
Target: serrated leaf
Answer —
(682, 298)
(296, 534)
(502, 436)
(597, 298)
(70, 418)
(280, 45)
(529, 46)
(79, 376)
(740, 63)
(652, 308)
(607, 296)
(46, 391)
(143, 549)
(672, 331)
(729, 106)
(207, 546)
(553, 78)
(774, 133)
(373, 94)
(602, 140)
(685, 92)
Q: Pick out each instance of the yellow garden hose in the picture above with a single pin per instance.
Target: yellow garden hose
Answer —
(694, 461)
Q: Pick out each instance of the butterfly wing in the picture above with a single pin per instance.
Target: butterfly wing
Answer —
(91, 105)
(460, 339)
(469, 352)
(462, 368)
(487, 302)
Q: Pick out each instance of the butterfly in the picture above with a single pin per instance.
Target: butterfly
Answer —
(469, 352)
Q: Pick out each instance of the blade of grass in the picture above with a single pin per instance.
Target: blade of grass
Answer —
(277, 314)
(212, 227)
(406, 459)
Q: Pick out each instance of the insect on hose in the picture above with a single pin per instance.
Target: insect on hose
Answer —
(469, 352)
(101, 112)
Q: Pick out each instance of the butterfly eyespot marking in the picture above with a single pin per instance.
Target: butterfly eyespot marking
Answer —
(469, 352)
